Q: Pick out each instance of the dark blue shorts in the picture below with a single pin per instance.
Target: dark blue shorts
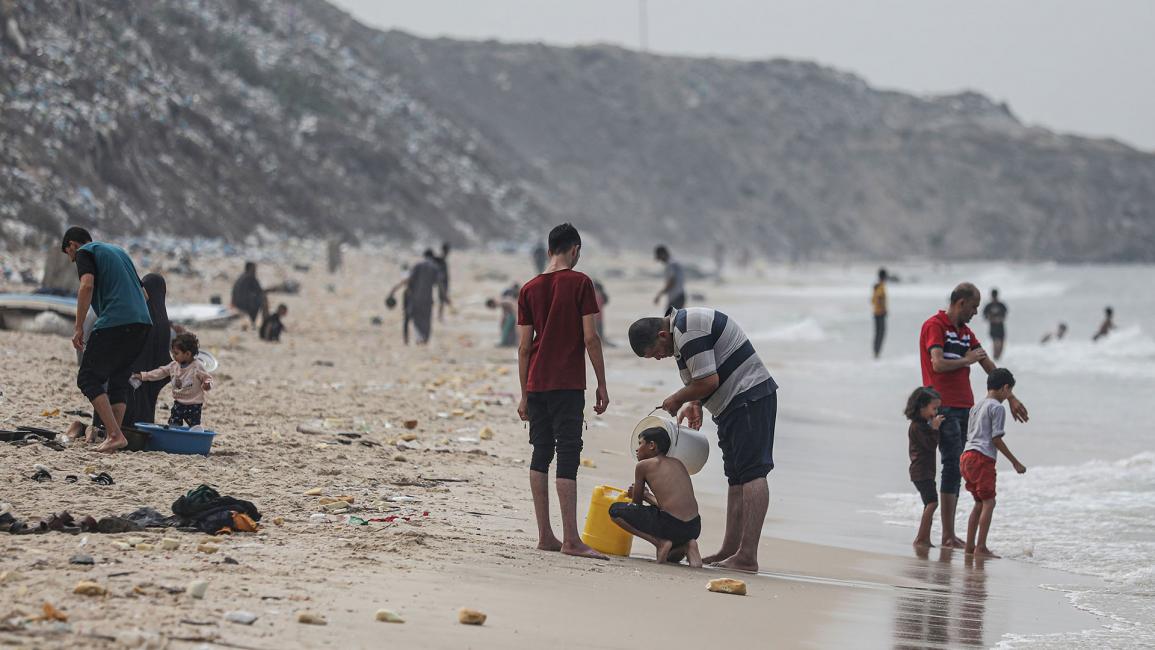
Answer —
(746, 437)
(185, 414)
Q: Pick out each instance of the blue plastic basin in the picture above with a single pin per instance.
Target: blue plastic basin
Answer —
(177, 440)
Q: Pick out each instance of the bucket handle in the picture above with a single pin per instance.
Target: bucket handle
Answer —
(609, 489)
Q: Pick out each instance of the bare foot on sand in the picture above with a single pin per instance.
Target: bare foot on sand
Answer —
(721, 555)
(923, 543)
(664, 551)
(984, 552)
(112, 445)
(579, 549)
(550, 543)
(735, 563)
(76, 430)
(954, 542)
(692, 554)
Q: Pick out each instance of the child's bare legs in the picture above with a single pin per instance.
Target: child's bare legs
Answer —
(973, 526)
(923, 538)
(539, 487)
(986, 514)
(663, 546)
(572, 543)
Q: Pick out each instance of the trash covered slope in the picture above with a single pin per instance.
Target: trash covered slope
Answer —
(225, 117)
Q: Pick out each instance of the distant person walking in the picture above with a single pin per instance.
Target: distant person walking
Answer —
(674, 288)
(424, 278)
(1107, 325)
(996, 314)
(721, 371)
(248, 296)
(540, 257)
(442, 262)
(110, 285)
(878, 306)
(947, 350)
(1057, 335)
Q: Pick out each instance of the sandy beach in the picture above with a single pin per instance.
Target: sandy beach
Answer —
(463, 533)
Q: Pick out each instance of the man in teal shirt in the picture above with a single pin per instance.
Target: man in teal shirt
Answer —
(110, 285)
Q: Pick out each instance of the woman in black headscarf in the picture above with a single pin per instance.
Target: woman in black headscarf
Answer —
(141, 405)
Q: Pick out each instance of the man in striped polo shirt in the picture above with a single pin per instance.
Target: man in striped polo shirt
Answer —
(722, 372)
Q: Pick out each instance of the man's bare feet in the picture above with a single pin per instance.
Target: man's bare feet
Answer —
(953, 543)
(664, 551)
(735, 563)
(721, 555)
(985, 552)
(112, 445)
(550, 543)
(579, 549)
(923, 543)
(692, 554)
(76, 430)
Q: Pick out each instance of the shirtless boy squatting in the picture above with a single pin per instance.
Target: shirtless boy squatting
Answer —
(671, 523)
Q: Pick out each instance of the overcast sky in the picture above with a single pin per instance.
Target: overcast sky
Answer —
(1077, 66)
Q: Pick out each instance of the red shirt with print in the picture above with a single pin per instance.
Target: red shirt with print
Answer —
(955, 386)
(554, 304)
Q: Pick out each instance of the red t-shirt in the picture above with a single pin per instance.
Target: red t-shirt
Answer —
(554, 304)
(955, 386)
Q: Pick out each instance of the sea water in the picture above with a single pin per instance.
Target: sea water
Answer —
(1087, 503)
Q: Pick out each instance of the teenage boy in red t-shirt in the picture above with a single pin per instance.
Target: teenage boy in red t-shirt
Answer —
(556, 328)
(947, 349)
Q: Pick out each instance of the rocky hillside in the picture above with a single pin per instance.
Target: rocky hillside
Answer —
(223, 116)
(795, 159)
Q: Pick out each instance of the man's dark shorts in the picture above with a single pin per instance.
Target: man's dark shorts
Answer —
(555, 423)
(107, 361)
(952, 436)
(657, 523)
(746, 437)
(927, 491)
(998, 331)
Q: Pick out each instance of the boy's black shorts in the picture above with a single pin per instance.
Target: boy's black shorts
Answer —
(555, 423)
(927, 491)
(658, 523)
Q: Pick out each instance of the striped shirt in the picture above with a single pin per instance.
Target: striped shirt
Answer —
(708, 342)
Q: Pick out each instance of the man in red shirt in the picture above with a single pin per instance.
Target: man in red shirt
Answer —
(947, 349)
(556, 328)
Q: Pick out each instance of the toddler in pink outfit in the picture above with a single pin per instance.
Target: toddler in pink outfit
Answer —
(190, 381)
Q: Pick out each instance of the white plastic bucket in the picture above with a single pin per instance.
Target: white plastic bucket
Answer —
(687, 445)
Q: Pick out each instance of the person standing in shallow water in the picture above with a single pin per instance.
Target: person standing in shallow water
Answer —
(995, 313)
(878, 305)
(947, 350)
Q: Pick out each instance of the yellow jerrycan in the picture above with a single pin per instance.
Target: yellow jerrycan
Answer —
(601, 533)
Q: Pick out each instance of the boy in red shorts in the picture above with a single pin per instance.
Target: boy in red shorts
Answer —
(977, 464)
(556, 328)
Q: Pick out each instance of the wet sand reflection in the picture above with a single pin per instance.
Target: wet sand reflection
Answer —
(950, 610)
